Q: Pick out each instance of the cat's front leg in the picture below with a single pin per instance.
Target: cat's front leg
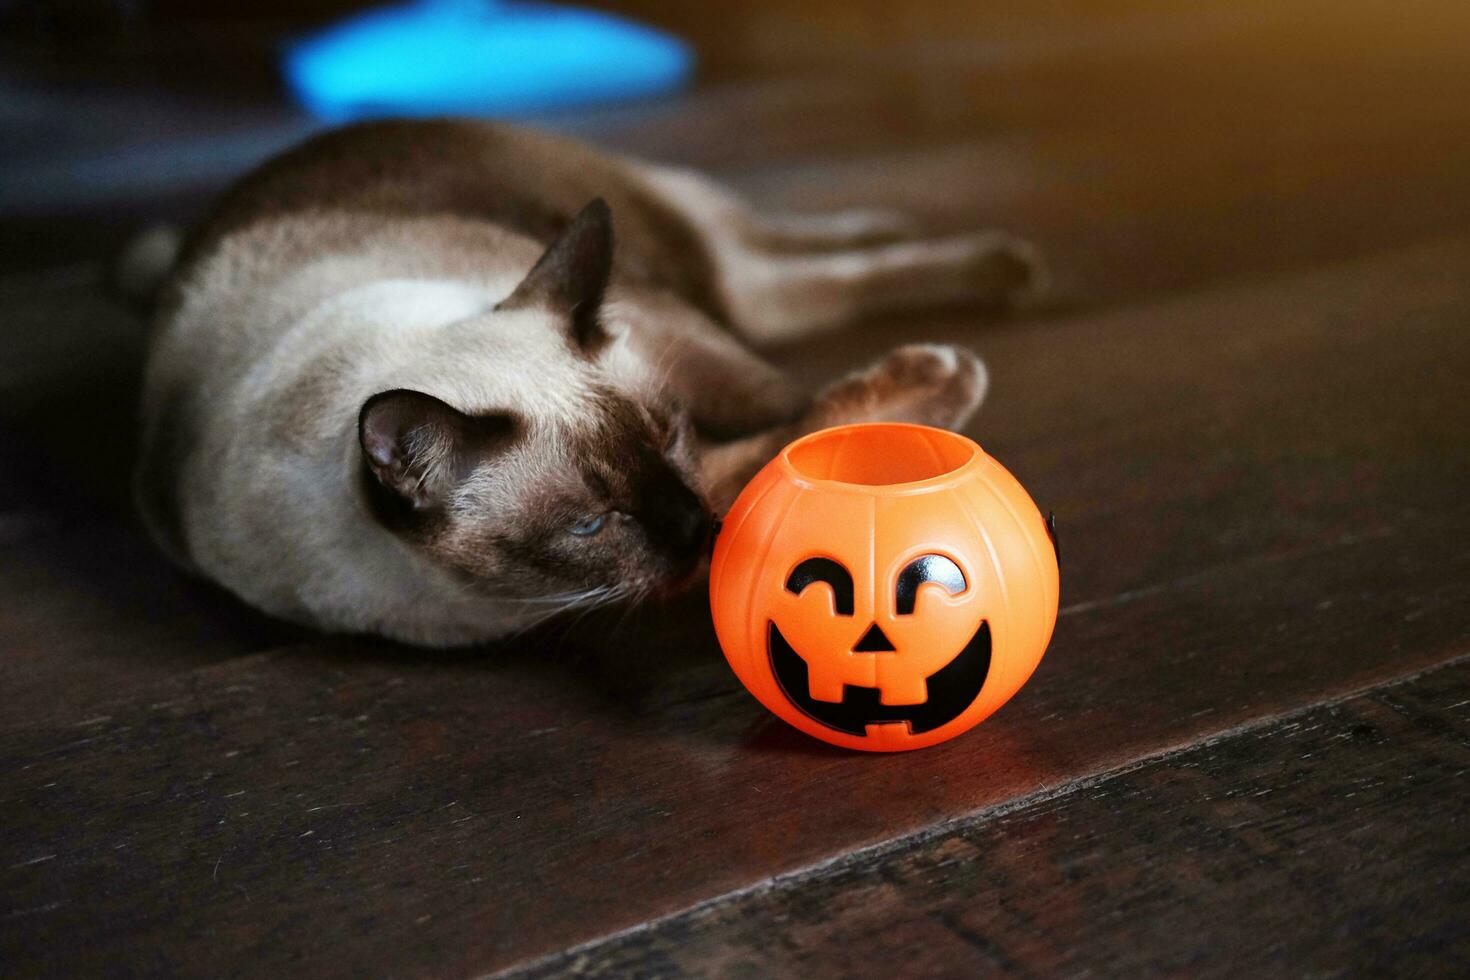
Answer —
(929, 384)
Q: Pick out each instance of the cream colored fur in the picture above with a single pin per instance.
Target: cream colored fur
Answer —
(270, 342)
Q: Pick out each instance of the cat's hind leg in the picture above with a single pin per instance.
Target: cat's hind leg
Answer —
(778, 296)
(779, 277)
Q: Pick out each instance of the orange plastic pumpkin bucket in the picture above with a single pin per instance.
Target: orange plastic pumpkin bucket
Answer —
(884, 587)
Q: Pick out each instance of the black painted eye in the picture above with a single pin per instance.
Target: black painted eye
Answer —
(823, 570)
(588, 526)
(927, 568)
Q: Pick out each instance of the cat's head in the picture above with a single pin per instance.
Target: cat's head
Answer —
(580, 487)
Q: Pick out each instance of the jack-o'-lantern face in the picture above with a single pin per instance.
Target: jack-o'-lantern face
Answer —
(857, 675)
(884, 587)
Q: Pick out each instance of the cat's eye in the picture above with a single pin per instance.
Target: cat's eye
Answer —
(588, 525)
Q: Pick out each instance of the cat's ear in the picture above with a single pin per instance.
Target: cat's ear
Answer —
(571, 276)
(420, 449)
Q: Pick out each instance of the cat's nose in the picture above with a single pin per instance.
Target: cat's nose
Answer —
(692, 529)
(676, 520)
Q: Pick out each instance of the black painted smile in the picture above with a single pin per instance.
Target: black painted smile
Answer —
(952, 689)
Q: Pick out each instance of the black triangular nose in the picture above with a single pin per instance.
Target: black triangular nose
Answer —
(873, 641)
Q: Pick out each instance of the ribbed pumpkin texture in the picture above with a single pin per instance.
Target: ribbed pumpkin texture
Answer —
(884, 587)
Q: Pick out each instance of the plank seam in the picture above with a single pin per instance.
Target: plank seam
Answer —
(918, 838)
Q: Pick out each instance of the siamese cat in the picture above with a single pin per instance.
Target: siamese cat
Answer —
(438, 380)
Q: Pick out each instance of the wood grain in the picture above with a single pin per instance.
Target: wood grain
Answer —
(1326, 843)
(1246, 529)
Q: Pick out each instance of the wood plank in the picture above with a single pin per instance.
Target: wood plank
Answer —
(1327, 843)
(394, 814)
(1261, 492)
(92, 610)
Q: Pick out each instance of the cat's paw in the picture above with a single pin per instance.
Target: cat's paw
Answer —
(928, 384)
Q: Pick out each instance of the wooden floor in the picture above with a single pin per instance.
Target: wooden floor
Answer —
(1248, 403)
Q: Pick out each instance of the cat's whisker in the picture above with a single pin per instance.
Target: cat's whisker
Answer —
(663, 368)
(583, 602)
(560, 598)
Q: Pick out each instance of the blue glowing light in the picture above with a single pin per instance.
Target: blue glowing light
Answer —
(480, 57)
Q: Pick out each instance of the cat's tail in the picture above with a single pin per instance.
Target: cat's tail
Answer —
(144, 264)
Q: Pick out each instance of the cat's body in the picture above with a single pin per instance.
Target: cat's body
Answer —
(403, 383)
